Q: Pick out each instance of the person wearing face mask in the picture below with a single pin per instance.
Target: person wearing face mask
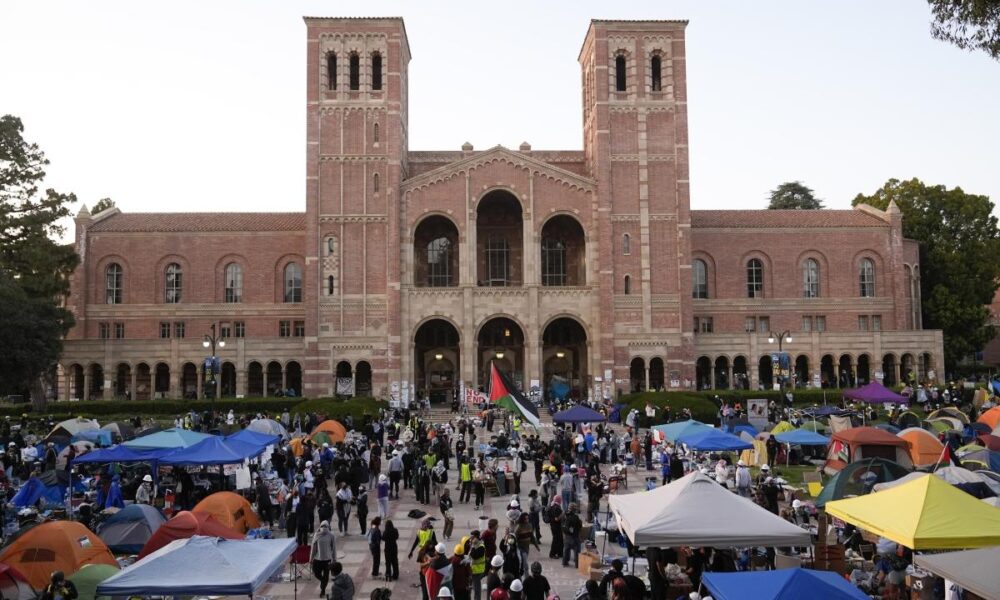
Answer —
(144, 493)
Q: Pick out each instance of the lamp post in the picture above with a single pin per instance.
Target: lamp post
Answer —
(211, 341)
(785, 336)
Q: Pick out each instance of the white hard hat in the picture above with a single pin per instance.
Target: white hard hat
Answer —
(497, 561)
(740, 463)
(796, 503)
(765, 468)
(445, 593)
(440, 548)
(516, 586)
(515, 504)
(147, 478)
(309, 463)
(573, 466)
(326, 445)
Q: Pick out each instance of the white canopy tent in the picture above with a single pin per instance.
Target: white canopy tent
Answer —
(697, 511)
(974, 570)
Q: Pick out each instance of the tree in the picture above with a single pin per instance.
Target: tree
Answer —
(968, 24)
(793, 195)
(31, 259)
(959, 258)
(31, 330)
(102, 205)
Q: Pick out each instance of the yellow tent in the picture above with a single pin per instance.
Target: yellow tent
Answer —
(782, 427)
(926, 513)
(756, 457)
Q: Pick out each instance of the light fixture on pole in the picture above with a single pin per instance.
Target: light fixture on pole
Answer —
(786, 337)
(212, 341)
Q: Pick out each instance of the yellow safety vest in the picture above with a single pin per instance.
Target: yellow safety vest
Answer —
(424, 536)
(466, 472)
(517, 424)
(478, 564)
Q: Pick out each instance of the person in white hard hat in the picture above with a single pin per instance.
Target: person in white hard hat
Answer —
(144, 494)
(743, 479)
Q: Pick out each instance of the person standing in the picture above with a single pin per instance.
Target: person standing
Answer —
(384, 491)
(571, 528)
(395, 473)
(59, 588)
(461, 574)
(772, 450)
(264, 505)
(342, 586)
(535, 507)
(536, 586)
(554, 513)
(390, 545)
(322, 552)
(476, 551)
(446, 505)
(375, 544)
(567, 486)
(361, 502)
(343, 504)
(465, 477)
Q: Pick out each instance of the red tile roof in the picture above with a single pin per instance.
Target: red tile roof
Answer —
(201, 222)
(746, 219)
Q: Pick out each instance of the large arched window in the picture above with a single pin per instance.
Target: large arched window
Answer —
(699, 279)
(293, 282)
(234, 283)
(620, 80)
(810, 278)
(755, 278)
(628, 285)
(866, 278)
(626, 244)
(439, 262)
(376, 71)
(331, 70)
(354, 71)
(114, 280)
(656, 77)
(553, 262)
(173, 284)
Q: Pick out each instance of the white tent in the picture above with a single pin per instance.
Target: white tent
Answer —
(697, 511)
(975, 570)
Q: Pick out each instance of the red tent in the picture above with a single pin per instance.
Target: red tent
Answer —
(857, 443)
(13, 585)
(184, 525)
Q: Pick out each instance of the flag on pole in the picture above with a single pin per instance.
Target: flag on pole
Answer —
(503, 393)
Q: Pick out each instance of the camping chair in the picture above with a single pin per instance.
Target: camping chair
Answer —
(814, 482)
(867, 551)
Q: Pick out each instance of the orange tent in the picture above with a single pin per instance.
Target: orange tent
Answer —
(991, 417)
(231, 510)
(296, 444)
(55, 546)
(184, 525)
(925, 449)
(338, 432)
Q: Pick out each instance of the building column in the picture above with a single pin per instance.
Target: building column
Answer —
(267, 383)
(86, 384)
(647, 377)
(174, 392)
(284, 378)
(241, 383)
(200, 374)
(134, 377)
(107, 391)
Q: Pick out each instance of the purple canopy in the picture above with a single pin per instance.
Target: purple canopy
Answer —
(873, 392)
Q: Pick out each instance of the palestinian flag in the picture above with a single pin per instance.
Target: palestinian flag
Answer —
(504, 394)
(947, 458)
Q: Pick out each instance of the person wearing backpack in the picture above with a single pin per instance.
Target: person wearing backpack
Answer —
(571, 528)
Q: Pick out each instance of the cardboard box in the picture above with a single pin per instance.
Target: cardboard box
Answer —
(597, 574)
(587, 560)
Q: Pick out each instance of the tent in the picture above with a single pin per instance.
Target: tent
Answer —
(128, 530)
(214, 450)
(168, 438)
(991, 417)
(96, 437)
(250, 436)
(35, 489)
(672, 431)
(14, 585)
(923, 514)
(338, 432)
(874, 392)
(782, 427)
(70, 427)
(55, 546)
(854, 479)
(268, 426)
(184, 525)
(865, 442)
(79, 447)
(990, 441)
(802, 437)
(827, 411)
(887, 427)
(925, 449)
(964, 479)
(120, 454)
(86, 579)
(950, 411)
(908, 419)
(983, 458)
(230, 509)
(686, 512)
(578, 414)
(713, 439)
(974, 570)
(125, 430)
(784, 584)
(210, 566)
(940, 424)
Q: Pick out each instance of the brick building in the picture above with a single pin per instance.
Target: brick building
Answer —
(409, 271)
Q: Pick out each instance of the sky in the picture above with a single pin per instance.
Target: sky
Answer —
(200, 106)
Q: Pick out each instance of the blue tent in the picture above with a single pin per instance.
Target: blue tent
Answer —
(802, 437)
(254, 437)
(168, 438)
(783, 584)
(34, 490)
(120, 454)
(713, 439)
(673, 431)
(740, 428)
(214, 450)
(128, 530)
(578, 414)
(100, 437)
(202, 565)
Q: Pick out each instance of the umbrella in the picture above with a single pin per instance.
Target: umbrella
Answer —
(86, 579)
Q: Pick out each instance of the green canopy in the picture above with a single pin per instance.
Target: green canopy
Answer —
(87, 578)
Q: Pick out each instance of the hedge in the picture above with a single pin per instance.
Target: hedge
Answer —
(98, 408)
(336, 408)
(701, 408)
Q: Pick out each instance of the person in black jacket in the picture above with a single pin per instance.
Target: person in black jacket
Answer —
(375, 545)
(59, 588)
(390, 544)
(361, 504)
(264, 507)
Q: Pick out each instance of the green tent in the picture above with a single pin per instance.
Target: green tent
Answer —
(850, 481)
(87, 579)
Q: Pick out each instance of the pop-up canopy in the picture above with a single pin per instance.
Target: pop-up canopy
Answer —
(873, 392)
(975, 570)
(802, 437)
(672, 431)
(784, 584)
(215, 450)
(578, 414)
(713, 439)
(168, 438)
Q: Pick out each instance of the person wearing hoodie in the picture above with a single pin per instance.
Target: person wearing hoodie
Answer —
(322, 552)
(342, 586)
(390, 544)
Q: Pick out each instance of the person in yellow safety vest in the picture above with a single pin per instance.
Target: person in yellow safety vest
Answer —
(465, 476)
(475, 549)
(425, 536)
(517, 429)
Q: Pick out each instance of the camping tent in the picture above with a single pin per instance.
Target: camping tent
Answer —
(578, 414)
(86, 579)
(125, 430)
(940, 424)
(686, 512)
(55, 546)
(925, 449)
(802, 437)
(338, 432)
(128, 530)
(984, 459)
(168, 438)
(850, 481)
(230, 509)
(966, 480)
(210, 566)
(784, 584)
(70, 427)
(35, 489)
(974, 570)
(865, 442)
(874, 392)
(908, 419)
(268, 426)
(672, 431)
(950, 411)
(184, 525)
(713, 439)
(991, 417)
(923, 514)
(990, 441)
(782, 427)
(97, 437)
(13, 585)
(214, 450)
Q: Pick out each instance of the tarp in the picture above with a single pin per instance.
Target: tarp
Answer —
(991, 417)
(213, 450)
(923, 514)
(13, 585)
(128, 530)
(851, 480)
(168, 438)
(35, 489)
(802, 437)
(975, 570)
(841, 423)
(784, 584)
(230, 509)
(120, 454)
(209, 566)
(872, 393)
(184, 525)
(249, 436)
(55, 546)
(925, 449)
(713, 439)
(86, 579)
(859, 443)
(672, 431)
(268, 426)
(578, 414)
(338, 432)
(686, 512)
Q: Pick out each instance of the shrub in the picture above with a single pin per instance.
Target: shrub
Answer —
(99, 408)
(701, 407)
(336, 408)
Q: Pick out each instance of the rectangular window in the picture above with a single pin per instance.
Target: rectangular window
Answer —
(862, 323)
(104, 330)
(497, 262)
(703, 324)
(119, 331)
(807, 324)
(765, 324)
(225, 331)
(300, 329)
(164, 331)
(284, 329)
(179, 329)
(820, 324)
(240, 329)
(750, 324)
(876, 322)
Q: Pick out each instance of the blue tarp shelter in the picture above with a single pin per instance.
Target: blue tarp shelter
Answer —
(672, 431)
(740, 428)
(214, 450)
(254, 437)
(120, 454)
(713, 439)
(168, 438)
(99, 437)
(783, 584)
(802, 437)
(578, 414)
(128, 530)
(202, 565)
(35, 490)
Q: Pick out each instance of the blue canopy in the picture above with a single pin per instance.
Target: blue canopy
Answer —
(120, 454)
(783, 584)
(713, 439)
(740, 428)
(254, 437)
(578, 414)
(100, 437)
(673, 431)
(168, 438)
(214, 450)
(201, 565)
(802, 437)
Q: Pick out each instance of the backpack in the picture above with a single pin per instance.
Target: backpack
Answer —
(524, 465)
(545, 516)
(381, 594)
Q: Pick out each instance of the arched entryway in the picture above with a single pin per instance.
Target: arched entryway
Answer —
(363, 379)
(255, 379)
(499, 240)
(96, 390)
(293, 378)
(227, 380)
(436, 360)
(501, 341)
(889, 370)
(656, 374)
(77, 379)
(722, 372)
(801, 370)
(189, 381)
(827, 374)
(703, 373)
(563, 258)
(906, 373)
(637, 374)
(343, 379)
(143, 382)
(273, 378)
(161, 384)
(926, 366)
(864, 370)
(564, 359)
(123, 382)
(845, 374)
(435, 253)
(765, 372)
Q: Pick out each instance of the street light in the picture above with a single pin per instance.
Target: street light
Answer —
(784, 336)
(211, 341)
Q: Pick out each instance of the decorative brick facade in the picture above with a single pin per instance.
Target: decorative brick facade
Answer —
(419, 268)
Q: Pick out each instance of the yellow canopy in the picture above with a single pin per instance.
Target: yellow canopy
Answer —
(782, 427)
(926, 513)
